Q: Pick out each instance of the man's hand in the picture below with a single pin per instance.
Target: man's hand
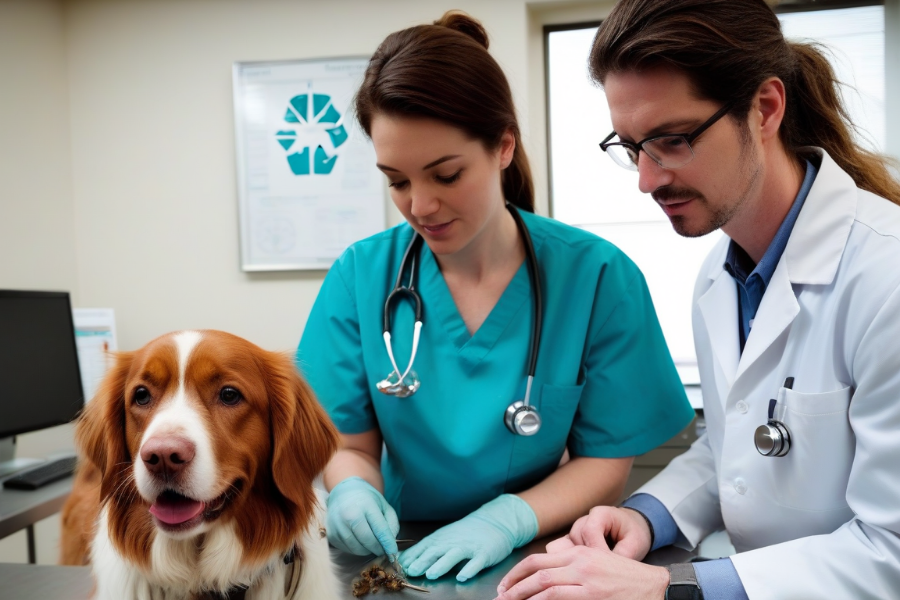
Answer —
(621, 530)
(583, 573)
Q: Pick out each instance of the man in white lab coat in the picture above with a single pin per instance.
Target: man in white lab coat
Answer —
(796, 319)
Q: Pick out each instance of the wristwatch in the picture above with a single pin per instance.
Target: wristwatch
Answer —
(683, 583)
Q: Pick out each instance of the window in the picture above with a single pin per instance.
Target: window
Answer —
(855, 38)
(589, 191)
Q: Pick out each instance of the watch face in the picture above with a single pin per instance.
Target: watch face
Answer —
(681, 591)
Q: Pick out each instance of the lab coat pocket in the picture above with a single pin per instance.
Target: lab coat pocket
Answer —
(537, 456)
(813, 476)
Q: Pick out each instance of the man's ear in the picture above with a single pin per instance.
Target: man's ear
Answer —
(100, 431)
(769, 106)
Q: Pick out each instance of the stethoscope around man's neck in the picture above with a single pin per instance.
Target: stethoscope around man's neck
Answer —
(521, 417)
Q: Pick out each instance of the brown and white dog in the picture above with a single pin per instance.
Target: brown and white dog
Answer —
(196, 480)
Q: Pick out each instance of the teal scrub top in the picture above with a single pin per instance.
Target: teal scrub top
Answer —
(605, 384)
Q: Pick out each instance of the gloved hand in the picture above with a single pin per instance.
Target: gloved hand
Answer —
(359, 520)
(486, 536)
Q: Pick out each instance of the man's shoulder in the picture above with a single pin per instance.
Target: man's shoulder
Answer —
(876, 216)
(873, 248)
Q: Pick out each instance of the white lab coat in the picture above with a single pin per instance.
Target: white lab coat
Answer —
(823, 521)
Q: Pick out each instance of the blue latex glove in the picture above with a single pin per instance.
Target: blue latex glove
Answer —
(486, 537)
(359, 520)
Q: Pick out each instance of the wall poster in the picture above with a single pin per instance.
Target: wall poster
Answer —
(307, 182)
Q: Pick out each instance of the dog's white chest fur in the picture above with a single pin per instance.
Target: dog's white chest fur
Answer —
(180, 571)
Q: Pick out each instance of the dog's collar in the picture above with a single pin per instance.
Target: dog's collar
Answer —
(239, 592)
(236, 593)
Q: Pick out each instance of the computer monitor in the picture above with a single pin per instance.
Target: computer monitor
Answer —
(40, 384)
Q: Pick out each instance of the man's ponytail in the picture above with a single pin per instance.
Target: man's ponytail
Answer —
(817, 117)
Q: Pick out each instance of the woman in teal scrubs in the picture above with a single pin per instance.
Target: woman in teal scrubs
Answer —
(439, 112)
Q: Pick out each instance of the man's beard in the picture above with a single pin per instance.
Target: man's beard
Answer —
(718, 217)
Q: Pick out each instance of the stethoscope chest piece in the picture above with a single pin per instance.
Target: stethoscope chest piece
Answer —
(522, 419)
(392, 385)
(774, 438)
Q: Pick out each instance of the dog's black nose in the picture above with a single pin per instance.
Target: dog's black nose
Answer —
(168, 455)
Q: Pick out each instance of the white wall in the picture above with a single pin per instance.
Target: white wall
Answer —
(37, 237)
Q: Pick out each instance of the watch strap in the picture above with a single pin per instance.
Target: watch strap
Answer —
(683, 583)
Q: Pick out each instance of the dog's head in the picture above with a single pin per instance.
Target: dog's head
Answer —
(200, 427)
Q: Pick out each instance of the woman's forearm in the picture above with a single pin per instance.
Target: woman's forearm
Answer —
(574, 488)
(359, 456)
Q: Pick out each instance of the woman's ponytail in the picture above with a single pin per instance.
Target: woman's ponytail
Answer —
(518, 187)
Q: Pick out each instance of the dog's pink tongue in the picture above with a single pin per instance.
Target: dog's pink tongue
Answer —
(174, 509)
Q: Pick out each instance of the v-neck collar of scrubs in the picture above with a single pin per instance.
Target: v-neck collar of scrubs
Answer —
(440, 307)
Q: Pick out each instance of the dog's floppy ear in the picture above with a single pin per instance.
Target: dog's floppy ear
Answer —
(304, 438)
(100, 431)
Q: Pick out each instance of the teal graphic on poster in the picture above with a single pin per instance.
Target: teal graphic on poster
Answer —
(311, 119)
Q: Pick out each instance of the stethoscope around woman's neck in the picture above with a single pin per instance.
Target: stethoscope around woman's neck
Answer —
(521, 417)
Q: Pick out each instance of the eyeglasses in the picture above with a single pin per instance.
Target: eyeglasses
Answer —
(669, 151)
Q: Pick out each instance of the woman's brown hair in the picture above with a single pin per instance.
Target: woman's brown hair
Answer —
(729, 48)
(444, 71)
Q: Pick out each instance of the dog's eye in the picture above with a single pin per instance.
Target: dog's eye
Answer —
(229, 396)
(142, 396)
